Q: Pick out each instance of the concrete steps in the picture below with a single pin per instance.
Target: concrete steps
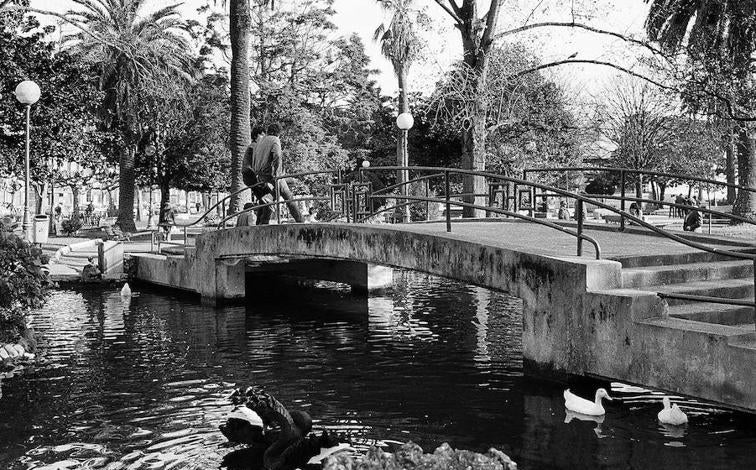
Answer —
(731, 315)
(701, 273)
(725, 288)
(683, 273)
(694, 257)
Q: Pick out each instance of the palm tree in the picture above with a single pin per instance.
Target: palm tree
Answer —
(400, 44)
(240, 21)
(132, 50)
(722, 34)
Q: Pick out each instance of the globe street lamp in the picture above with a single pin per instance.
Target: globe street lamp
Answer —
(28, 93)
(404, 122)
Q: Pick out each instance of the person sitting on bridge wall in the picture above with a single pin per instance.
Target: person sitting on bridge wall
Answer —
(564, 212)
(266, 163)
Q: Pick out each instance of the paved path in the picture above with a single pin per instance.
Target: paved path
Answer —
(539, 239)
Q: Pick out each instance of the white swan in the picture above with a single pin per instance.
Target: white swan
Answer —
(672, 414)
(580, 405)
(126, 290)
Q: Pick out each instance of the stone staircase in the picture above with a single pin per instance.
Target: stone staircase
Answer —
(696, 273)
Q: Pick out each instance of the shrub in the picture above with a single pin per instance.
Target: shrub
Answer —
(71, 226)
(23, 283)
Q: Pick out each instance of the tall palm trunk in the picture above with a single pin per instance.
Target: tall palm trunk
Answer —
(240, 21)
(126, 190)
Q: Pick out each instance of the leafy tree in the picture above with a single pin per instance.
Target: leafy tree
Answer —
(186, 145)
(63, 121)
(133, 51)
(719, 39)
(528, 119)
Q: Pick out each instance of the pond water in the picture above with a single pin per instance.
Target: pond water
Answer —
(143, 384)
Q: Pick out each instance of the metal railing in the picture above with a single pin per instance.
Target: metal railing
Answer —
(623, 172)
(351, 199)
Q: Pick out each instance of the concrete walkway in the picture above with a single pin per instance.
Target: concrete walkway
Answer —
(542, 240)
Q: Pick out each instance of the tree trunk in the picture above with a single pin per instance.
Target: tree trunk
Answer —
(474, 158)
(474, 136)
(39, 197)
(75, 194)
(240, 21)
(138, 194)
(126, 191)
(745, 203)
(165, 198)
(476, 44)
(730, 167)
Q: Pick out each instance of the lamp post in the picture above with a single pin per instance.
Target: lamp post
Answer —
(28, 93)
(404, 122)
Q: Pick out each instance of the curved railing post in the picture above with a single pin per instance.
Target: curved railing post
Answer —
(579, 217)
(622, 200)
(447, 190)
(427, 203)
(278, 206)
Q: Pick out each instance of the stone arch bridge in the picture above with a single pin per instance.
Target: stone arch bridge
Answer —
(602, 318)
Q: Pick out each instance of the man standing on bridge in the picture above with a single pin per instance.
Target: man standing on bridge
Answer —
(267, 164)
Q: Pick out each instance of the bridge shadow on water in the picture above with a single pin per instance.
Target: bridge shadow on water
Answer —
(142, 383)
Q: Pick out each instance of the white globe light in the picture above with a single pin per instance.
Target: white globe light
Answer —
(365, 164)
(405, 121)
(28, 92)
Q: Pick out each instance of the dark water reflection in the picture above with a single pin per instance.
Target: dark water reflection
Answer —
(143, 384)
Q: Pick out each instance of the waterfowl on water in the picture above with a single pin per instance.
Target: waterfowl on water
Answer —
(672, 414)
(126, 290)
(580, 405)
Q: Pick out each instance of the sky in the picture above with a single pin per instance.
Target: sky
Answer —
(363, 16)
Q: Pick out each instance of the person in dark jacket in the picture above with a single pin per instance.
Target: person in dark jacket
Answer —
(692, 221)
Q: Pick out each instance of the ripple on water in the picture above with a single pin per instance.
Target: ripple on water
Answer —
(145, 385)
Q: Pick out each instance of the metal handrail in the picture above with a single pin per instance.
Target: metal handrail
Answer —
(643, 172)
(557, 227)
(680, 206)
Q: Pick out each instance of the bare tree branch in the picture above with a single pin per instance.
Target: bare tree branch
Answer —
(491, 18)
(451, 10)
(585, 27)
(731, 111)
(98, 38)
